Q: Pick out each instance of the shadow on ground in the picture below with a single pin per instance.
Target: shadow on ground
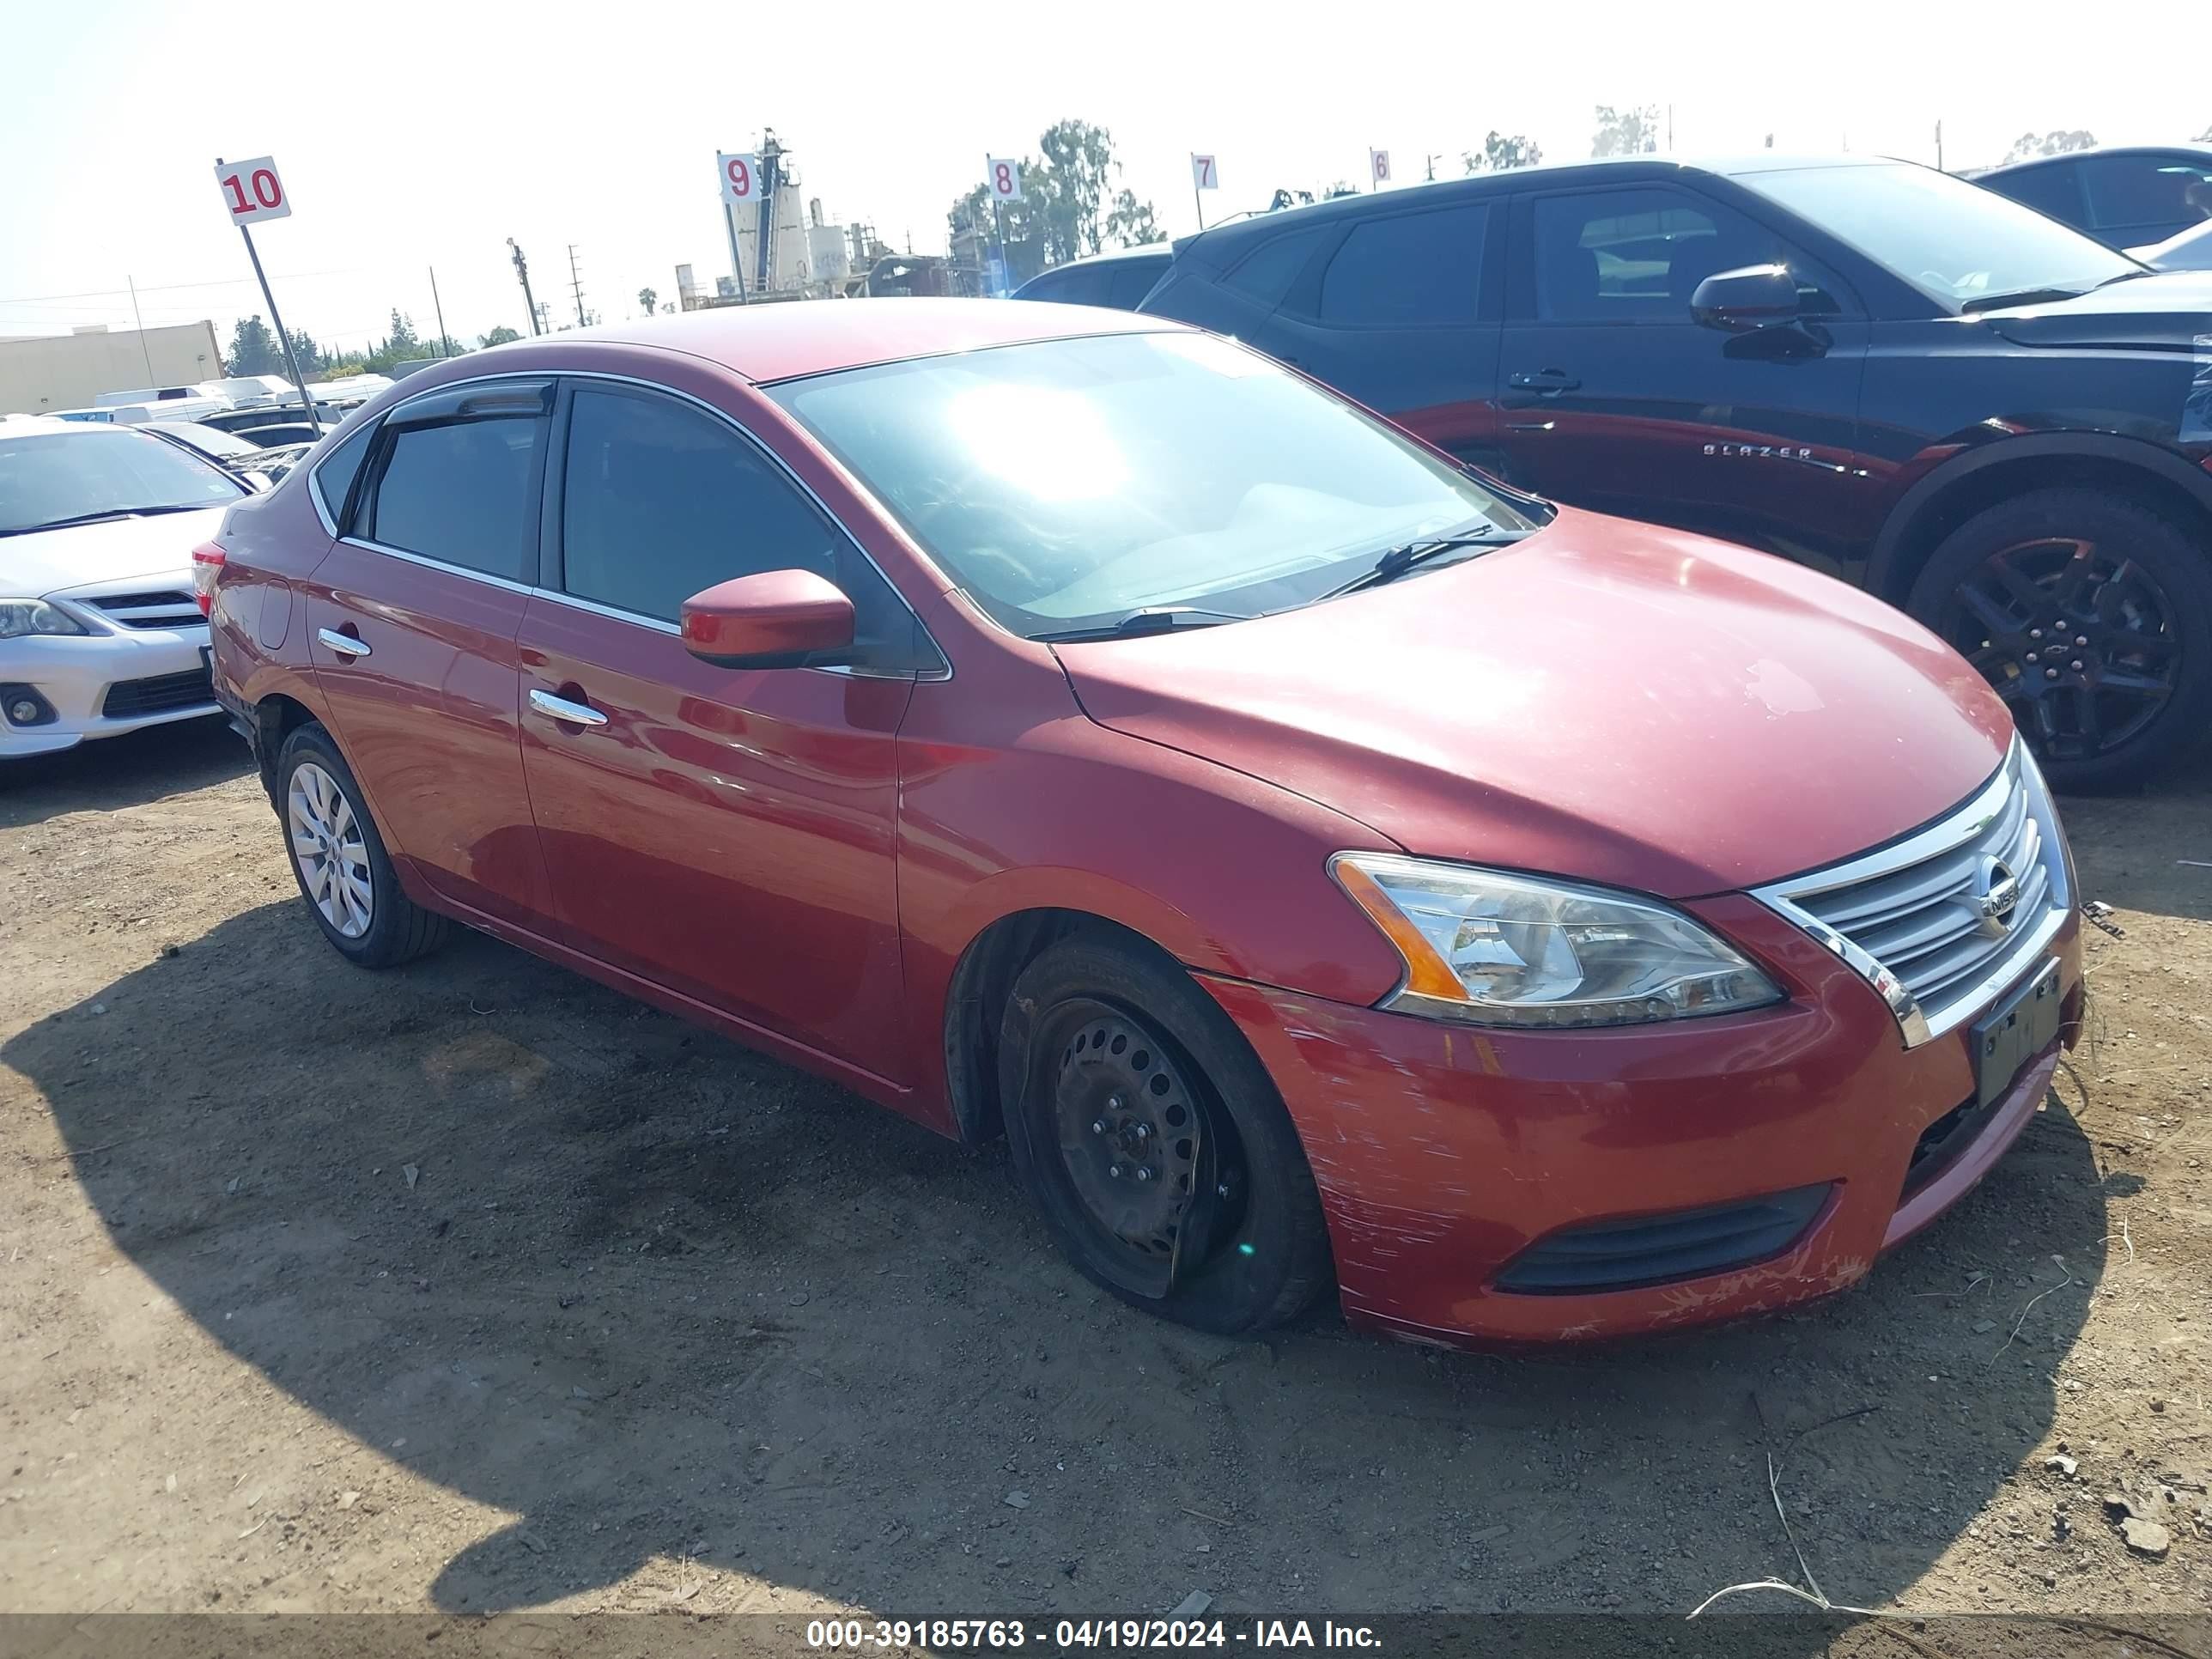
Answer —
(659, 1296)
(2150, 851)
(129, 770)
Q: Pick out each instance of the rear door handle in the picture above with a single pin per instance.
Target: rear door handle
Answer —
(345, 645)
(574, 714)
(1543, 379)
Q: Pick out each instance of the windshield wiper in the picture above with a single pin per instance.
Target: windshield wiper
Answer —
(1410, 555)
(1152, 619)
(2020, 297)
(107, 513)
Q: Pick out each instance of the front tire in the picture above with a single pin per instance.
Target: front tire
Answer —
(2092, 616)
(338, 858)
(1155, 1143)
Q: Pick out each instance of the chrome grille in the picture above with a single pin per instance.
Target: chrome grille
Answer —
(168, 608)
(1925, 921)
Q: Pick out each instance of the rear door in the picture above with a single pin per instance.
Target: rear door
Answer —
(1615, 398)
(725, 834)
(412, 625)
(1403, 313)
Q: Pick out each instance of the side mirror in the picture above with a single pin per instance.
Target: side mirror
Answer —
(1737, 301)
(777, 619)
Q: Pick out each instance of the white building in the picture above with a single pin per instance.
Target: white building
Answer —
(43, 372)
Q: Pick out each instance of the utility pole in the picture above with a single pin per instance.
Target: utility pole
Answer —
(522, 270)
(439, 306)
(577, 286)
(136, 317)
(1670, 129)
(1939, 147)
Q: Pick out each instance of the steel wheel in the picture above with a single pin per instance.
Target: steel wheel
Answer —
(2077, 638)
(1154, 1172)
(328, 847)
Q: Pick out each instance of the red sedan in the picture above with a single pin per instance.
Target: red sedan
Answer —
(1319, 862)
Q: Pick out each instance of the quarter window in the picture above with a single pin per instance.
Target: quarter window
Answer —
(335, 475)
(463, 492)
(1408, 270)
(1266, 274)
(1636, 255)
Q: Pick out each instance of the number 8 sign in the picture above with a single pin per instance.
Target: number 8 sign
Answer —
(252, 191)
(740, 177)
(1003, 178)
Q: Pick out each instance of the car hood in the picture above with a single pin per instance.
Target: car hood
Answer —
(44, 562)
(2170, 311)
(1606, 700)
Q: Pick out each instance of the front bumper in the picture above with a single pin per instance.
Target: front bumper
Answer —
(1442, 1152)
(76, 675)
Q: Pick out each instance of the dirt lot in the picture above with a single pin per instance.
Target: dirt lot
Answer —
(474, 1286)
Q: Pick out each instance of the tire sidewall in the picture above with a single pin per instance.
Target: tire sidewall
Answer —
(1237, 1291)
(388, 917)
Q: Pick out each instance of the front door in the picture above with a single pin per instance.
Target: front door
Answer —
(1613, 397)
(725, 834)
(411, 623)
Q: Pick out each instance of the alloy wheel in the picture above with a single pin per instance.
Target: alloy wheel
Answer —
(328, 847)
(2077, 639)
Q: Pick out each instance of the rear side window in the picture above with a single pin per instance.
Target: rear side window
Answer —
(1636, 255)
(463, 493)
(1266, 273)
(2127, 191)
(1407, 272)
(335, 473)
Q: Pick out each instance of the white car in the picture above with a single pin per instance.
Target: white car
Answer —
(101, 632)
(2187, 249)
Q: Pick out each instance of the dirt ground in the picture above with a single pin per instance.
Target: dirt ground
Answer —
(473, 1286)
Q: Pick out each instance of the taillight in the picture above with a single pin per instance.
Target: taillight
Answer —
(207, 565)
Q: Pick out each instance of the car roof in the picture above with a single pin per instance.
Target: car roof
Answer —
(1108, 256)
(771, 342)
(2200, 154)
(20, 426)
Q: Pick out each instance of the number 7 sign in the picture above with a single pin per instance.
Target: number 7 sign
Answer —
(252, 191)
(1202, 173)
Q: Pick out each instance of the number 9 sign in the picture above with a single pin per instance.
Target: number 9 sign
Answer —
(1003, 178)
(740, 177)
(252, 191)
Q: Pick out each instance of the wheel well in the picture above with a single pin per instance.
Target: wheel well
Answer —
(1987, 486)
(275, 719)
(981, 983)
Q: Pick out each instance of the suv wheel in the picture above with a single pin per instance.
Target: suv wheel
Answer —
(2092, 616)
(339, 860)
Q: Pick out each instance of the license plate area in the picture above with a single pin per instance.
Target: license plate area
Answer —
(2014, 1032)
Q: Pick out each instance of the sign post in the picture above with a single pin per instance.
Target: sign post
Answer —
(1002, 176)
(740, 171)
(1203, 176)
(251, 192)
(1378, 166)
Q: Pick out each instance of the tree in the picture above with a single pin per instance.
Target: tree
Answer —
(499, 336)
(1500, 152)
(1071, 203)
(254, 349)
(1341, 187)
(647, 300)
(1131, 222)
(1626, 132)
(304, 348)
(2054, 143)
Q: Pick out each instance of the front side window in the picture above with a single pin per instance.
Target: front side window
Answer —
(48, 479)
(463, 492)
(1409, 271)
(1066, 483)
(2126, 191)
(1627, 256)
(2056, 191)
(662, 501)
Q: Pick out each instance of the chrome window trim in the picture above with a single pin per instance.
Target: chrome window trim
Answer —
(1919, 1025)
(429, 564)
(743, 435)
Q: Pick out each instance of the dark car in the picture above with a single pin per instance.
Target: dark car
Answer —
(1119, 278)
(1964, 406)
(2123, 197)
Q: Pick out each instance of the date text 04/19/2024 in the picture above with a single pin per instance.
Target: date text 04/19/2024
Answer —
(1086, 1634)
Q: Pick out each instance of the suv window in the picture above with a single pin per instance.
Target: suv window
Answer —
(2056, 191)
(1636, 255)
(1407, 271)
(1131, 280)
(1267, 273)
(463, 492)
(1074, 285)
(661, 501)
(2145, 190)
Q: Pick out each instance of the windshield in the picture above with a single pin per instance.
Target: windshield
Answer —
(51, 477)
(1066, 483)
(1952, 239)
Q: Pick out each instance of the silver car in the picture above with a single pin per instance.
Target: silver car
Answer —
(101, 632)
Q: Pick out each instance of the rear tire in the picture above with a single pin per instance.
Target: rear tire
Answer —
(338, 858)
(1100, 1041)
(2092, 616)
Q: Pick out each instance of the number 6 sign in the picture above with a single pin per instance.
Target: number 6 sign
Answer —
(252, 191)
(740, 177)
(1378, 164)
(1004, 178)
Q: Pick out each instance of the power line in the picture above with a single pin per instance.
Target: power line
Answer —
(212, 282)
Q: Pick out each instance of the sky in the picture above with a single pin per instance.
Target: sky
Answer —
(414, 137)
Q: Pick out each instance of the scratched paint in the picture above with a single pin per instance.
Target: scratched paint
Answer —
(2197, 407)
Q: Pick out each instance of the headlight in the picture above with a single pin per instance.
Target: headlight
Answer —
(1506, 949)
(21, 618)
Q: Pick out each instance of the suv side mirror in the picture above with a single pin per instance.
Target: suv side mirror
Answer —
(1737, 301)
(777, 619)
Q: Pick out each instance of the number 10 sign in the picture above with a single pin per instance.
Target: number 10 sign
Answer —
(252, 191)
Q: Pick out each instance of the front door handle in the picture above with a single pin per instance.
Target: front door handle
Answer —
(346, 644)
(1543, 379)
(574, 714)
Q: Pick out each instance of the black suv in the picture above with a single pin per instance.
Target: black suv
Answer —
(1871, 367)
